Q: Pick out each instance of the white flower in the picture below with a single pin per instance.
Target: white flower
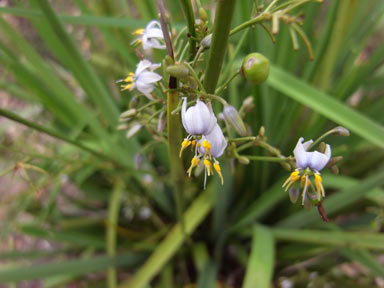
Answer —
(315, 161)
(214, 143)
(150, 37)
(198, 119)
(308, 164)
(143, 79)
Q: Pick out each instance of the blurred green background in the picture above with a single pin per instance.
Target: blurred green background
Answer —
(82, 206)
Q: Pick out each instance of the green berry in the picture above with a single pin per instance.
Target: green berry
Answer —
(255, 68)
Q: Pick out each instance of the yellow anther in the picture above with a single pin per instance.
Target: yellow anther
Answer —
(184, 145)
(208, 166)
(207, 147)
(138, 31)
(128, 79)
(319, 186)
(126, 87)
(198, 147)
(193, 144)
(216, 165)
(291, 179)
(194, 162)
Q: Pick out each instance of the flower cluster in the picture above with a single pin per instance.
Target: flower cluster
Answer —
(309, 165)
(144, 78)
(204, 136)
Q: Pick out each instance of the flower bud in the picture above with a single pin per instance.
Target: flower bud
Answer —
(341, 131)
(233, 118)
(206, 42)
(203, 14)
(135, 128)
(334, 160)
(255, 68)
(334, 169)
(262, 131)
(243, 160)
(128, 114)
(178, 70)
(286, 166)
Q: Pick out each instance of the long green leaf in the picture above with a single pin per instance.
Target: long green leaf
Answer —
(172, 242)
(261, 261)
(68, 267)
(334, 238)
(326, 106)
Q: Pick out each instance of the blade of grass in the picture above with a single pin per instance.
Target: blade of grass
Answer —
(113, 213)
(326, 106)
(353, 240)
(261, 261)
(195, 214)
(88, 20)
(68, 267)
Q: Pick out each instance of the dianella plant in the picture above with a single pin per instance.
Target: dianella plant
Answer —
(192, 143)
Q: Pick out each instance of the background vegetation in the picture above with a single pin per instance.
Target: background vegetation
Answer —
(82, 206)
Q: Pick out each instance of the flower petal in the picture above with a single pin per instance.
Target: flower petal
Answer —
(318, 161)
(143, 65)
(300, 154)
(148, 77)
(183, 114)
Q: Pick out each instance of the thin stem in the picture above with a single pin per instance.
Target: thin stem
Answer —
(174, 126)
(258, 19)
(270, 5)
(305, 39)
(223, 19)
(266, 158)
(222, 87)
(193, 74)
(251, 138)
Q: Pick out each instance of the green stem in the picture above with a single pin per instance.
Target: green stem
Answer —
(113, 212)
(188, 13)
(266, 158)
(12, 116)
(223, 18)
(258, 19)
(193, 74)
(222, 87)
(241, 139)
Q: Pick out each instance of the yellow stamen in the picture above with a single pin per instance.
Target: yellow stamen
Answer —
(216, 165)
(208, 166)
(128, 79)
(138, 31)
(198, 147)
(193, 144)
(194, 162)
(207, 147)
(184, 145)
(126, 87)
(291, 179)
(319, 186)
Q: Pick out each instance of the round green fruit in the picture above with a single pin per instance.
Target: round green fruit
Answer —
(255, 68)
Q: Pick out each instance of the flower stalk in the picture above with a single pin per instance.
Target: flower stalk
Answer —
(223, 17)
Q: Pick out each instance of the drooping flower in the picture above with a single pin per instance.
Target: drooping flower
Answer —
(204, 136)
(150, 37)
(143, 79)
(308, 164)
(197, 120)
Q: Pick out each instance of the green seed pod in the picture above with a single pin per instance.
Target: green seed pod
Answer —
(243, 160)
(255, 68)
(203, 14)
(178, 70)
